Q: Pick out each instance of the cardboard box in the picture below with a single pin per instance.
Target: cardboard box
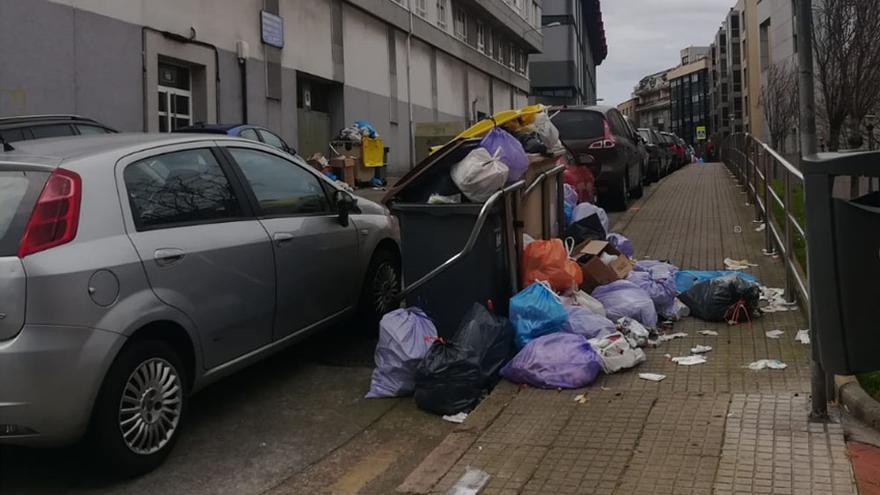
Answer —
(597, 273)
(345, 169)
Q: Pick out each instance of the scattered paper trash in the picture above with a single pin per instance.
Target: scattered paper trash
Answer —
(653, 377)
(732, 264)
(689, 360)
(773, 301)
(456, 418)
(774, 334)
(581, 398)
(761, 227)
(470, 483)
(803, 336)
(773, 364)
(709, 333)
(671, 336)
(701, 349)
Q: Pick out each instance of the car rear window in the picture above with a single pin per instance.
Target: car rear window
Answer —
(51, 130)
(18, 193)
(579, 124)
(646, 135)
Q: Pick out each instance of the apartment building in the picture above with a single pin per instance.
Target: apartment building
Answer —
(719, 91)
(574, 44)
(652, 108)
(690, 100)
(304, 68)
(628, 108)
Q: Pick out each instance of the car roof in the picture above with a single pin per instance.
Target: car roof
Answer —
(209, 128)
(55, 151)
(41, 119)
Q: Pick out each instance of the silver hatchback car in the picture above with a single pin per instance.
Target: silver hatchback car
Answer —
(135, 269)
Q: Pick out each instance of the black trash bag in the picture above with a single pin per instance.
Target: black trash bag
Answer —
(717, 299)
(531, 143)
(454, 374)
(586, 229)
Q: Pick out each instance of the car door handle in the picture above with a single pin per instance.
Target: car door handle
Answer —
(282, 238)
(168, 256)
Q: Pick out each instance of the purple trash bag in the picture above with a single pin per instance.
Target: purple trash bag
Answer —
(558, 360)
(624, 298)
(582, 321)
(405, 335)
(657, 268)
(661, 289)
(622, 244)
(571, 195)
(512, 153)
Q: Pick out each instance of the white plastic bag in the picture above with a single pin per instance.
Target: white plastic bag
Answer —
(479, 175)
(546, 130)
(584, 300)
(616, 353)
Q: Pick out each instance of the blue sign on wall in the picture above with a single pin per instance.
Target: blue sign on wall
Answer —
(272, 29)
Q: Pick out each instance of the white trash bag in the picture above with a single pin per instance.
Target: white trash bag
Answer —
(479, 175)
(616, 353)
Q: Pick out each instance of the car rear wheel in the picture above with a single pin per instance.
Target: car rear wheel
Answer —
(379, 293)
(640, 188)
(141, 408)
(616, 197)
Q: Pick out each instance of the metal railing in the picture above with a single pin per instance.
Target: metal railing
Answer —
(756, 165)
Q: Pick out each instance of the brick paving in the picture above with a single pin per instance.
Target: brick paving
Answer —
(716, 428)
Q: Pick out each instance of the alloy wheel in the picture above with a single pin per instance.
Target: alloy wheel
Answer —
(386, 285)
(151, 406)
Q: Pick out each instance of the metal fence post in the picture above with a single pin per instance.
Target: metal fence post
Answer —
(768, 213)
(789, 251)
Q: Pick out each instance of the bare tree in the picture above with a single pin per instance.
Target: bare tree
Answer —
(779, 102)
(845, 42)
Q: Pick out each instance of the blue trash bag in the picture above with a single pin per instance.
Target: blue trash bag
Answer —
(405, 335)
(363, 124)
(568, 210)
(584, 210)
(684, 280)
(621, 243)
(534, 312)
(559, 360)
(624, 298)
(661, 289)
(571, 195)
(512, 153)
(584, 322)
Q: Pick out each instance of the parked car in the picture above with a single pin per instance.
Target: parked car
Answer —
(675, 149)
(658, 154)
(599, 137)
(252, 132)
(137, 268)
(26, 127)
(642, 149)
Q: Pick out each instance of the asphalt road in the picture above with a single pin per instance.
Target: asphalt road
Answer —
(296, 423)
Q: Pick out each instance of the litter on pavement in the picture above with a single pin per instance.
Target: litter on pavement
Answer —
(773, 301)
(708, 333)
(761, 227)
(581, 398)
(652, 377)
(456, 418)
(670, 336)
(774, 334)
(689, 360)
(736, 265)
(803, 336)
(470, 483)
(773, 364)
(701, 349)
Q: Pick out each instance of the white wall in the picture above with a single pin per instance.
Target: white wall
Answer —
(450, 85)
(308, 42)
(501, 93)
(365, 41)
(478, 88)
(420, 67)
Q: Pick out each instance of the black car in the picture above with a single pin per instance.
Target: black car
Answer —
(252, 132)
(600, 138)
(659, 155)
(27, 127)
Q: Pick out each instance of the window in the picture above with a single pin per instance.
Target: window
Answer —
(441, 13)
(273, 140)
(49, 131)
(86, 130)
(481, 37)
(179, 188)
(497, 44)
(459, 23)
(490, 43)
(765, 45)
(280, 186)
(421, 8)
(579, 124)
(11, 135)
(511, 56)
(175, 97)
(249, 134)
(536, 14)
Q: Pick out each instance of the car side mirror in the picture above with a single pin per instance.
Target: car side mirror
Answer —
(345, 203)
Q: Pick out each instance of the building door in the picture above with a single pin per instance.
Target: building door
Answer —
(316, 103)
(175, 97)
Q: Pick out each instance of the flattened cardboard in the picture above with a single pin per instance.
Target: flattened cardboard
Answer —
(597, 273)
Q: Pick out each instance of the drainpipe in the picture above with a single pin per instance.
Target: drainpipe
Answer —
(412, 127)
(242, 69)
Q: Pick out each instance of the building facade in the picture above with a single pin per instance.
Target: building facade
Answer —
(628, 108)
(574, 44)
(304, 68)
(653, 105)
(690, 101)
(719, 92)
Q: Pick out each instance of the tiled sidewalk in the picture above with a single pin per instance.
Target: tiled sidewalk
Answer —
(716, 428)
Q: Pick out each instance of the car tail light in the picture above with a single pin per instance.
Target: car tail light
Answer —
(607, 140)
(55, 217)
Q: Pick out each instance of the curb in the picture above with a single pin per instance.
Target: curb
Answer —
(857, 402)
(432, 469)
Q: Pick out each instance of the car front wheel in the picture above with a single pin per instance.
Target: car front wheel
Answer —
(141, 408)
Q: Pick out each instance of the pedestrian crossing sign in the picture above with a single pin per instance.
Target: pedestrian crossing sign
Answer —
(701, 133)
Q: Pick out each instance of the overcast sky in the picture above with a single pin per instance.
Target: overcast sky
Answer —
(645, 36)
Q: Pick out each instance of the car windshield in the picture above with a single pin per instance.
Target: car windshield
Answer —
(646, 135)
(18, 193)
(579, 124)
